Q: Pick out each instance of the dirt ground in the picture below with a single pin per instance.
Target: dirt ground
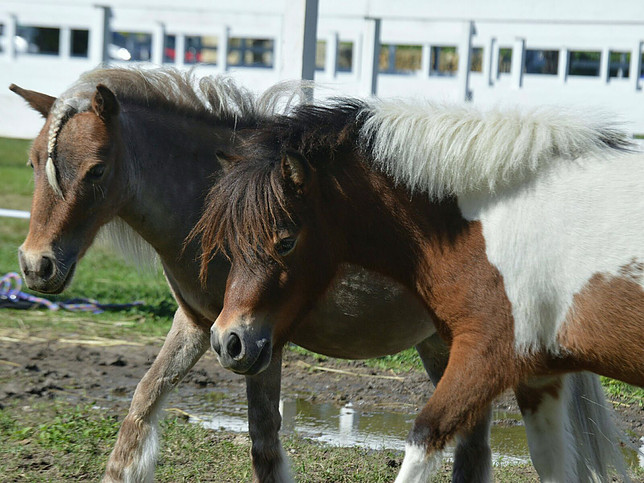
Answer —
(82, 372)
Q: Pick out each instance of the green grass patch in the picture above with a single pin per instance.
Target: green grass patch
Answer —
(624, 392)
(56, 441)
(16, 176)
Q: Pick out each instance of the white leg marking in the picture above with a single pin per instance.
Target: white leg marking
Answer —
(142, 468)
(548, 439)
(418, 466)
(283, 471)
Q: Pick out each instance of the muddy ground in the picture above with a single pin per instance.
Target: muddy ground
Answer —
(81, 371)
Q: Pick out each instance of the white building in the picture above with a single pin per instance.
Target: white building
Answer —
(488, 52)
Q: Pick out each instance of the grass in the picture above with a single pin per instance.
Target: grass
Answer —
(53, 441)
(625, 392)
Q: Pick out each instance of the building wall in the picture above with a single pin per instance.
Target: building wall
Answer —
(424, 36)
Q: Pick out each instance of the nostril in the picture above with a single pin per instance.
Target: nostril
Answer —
(234, 346)
(214, 342)
(46, 268)
(23, 262)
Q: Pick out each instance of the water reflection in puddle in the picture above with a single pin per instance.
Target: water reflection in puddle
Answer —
(349, 426)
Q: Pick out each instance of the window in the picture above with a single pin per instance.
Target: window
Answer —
(80, 43)
(444, 61)
(345, 57)
(169, 48)
(131, 46)
(201, 50)
(246, 52)
(400, 59)
(476, 60)
(37, 40)
(505, 60)
(320, 54)
(619, 64)
(541, 62)
(584, 63)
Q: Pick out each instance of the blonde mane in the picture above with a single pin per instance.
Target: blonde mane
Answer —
(447, 150)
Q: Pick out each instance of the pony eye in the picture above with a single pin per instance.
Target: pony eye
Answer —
(96, 172)
(30, 163)
(285, 245)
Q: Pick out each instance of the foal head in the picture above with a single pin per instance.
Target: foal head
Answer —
(75, 159)
(275, 215)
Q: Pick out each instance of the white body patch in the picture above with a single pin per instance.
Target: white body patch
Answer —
(549, 236)
(418, 466)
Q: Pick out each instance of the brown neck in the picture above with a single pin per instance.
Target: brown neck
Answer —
(425, 245)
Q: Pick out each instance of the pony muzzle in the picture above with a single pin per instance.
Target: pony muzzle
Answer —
(43, 272)
(243, 350)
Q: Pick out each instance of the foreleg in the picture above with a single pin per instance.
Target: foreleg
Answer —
(270, 464)
(480, 367)
(472, 456)
(134, 455)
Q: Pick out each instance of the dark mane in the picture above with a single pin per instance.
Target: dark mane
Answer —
(315, 129)
(249, 202)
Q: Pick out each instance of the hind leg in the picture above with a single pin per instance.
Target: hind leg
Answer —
(543, 402)
(134, 455)
(472, 456)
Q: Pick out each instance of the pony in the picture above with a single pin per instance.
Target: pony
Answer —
(520, 233)
(131, 154)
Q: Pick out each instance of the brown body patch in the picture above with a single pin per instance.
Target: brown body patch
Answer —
(530, 396)
(605, 326)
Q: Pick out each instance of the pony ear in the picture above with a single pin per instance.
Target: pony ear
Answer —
(104, 103)
(296, 170)
(37, 100)
(225, 160)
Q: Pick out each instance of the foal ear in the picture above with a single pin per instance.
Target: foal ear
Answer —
(296, 170)
(104, 103)
(225, 160)
(37, 100)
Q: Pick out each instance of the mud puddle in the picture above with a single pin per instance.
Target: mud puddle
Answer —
(348, 426)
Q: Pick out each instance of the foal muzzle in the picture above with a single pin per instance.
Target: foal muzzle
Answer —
(43, 272)
(245, 349)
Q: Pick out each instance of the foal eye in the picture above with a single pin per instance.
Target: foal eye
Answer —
(30, 164)
(285, 245)
(96, 172)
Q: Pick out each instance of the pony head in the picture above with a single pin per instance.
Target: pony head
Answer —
(75, 159)
(266, 216)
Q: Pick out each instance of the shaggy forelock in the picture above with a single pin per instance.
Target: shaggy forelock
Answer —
(243, 211)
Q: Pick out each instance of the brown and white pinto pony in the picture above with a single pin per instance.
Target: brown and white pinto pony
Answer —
(521, 233)
(133, 151)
